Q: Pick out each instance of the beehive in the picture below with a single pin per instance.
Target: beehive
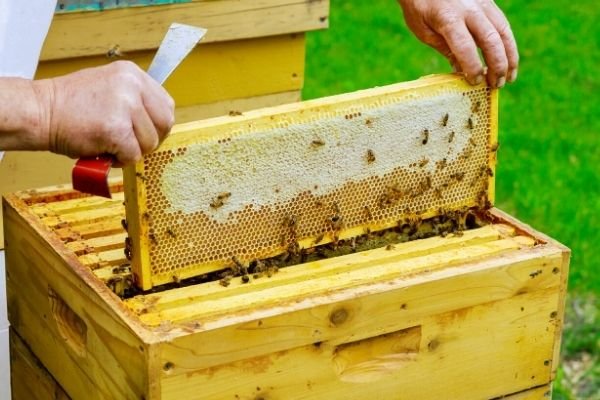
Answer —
(470, 316)
(252, 186)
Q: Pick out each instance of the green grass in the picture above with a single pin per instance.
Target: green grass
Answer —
(549, 158)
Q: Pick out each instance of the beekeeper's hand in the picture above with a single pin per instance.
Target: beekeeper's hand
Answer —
(456, 28)
(116, 109)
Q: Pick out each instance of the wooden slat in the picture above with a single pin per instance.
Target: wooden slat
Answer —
(194, 295)
(101, 243)
(85, 217)
(103, 258)
(354, 275)
(108, 226)
(134, 29)
(77, 205)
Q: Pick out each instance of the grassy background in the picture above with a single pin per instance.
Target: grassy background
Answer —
(549, 159)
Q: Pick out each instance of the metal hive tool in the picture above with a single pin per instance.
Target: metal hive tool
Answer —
(251, 186)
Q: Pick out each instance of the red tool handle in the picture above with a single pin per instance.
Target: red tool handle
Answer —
(90, 175)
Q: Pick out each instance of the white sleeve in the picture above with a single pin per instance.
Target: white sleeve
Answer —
(23, 27)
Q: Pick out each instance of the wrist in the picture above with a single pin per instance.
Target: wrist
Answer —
(41, 131)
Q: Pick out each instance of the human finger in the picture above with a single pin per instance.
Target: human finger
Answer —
(463, 47)
(159, 106)
(145, 131)
(489, 41)
(500, 22)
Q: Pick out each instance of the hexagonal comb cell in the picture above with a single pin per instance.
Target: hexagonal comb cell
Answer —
(295, 176)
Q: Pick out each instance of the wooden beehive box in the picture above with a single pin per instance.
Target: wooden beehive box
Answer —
(471, 316)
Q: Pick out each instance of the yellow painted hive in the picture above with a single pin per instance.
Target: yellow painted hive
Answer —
(424, 296)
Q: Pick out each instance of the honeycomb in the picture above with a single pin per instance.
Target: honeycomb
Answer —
(236, 189)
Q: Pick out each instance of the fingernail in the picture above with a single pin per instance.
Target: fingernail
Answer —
(513, 75)
(500, 82)
(478, 79)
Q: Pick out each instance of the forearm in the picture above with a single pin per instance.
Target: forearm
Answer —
(23, 119)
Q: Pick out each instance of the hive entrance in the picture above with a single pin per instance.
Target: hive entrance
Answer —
(296, 176)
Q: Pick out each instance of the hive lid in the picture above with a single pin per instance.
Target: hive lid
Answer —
(255, 185)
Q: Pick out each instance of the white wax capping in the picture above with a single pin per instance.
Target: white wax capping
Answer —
(276, 165)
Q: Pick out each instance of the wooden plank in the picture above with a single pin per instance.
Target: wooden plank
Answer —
(310, 160)
(217, 71)
(210, 110)
(194, 295)
(98, 244)
(70, 319)
(480, 352)
(375, 309)
(354, 275)
(104, 258)
(134, 29)
(29, 378)
(84, 217)
(76, 205)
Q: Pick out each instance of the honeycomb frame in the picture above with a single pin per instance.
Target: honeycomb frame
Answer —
(233, 189)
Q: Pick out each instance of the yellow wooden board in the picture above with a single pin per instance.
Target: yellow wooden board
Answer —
(83, 34)
(29, 379)
(217, 71)
(256, 185)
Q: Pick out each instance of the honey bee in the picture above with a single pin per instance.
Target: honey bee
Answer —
(141, 176)
(124, 224)
(438, 193)
(114, 52)
(441, 164)
(234, 113)
(425, 136)
(152, 238)
(470, 123)
(245, 279)
(290, 221)
(451, 137)
(336, 222)
(445, 120)
(459, 176)
(368, 212)
(128, 248)
(171, 232)
(219, 201)
(476, 106)
(423, 162)
(319, 238)
(318, 143)
(370, 156)
(489, 172)
(225, 281)
(472, 141)
(494, 147)
(389, 247)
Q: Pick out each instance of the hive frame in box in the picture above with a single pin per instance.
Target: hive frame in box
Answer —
(473, 316)
(244, 187)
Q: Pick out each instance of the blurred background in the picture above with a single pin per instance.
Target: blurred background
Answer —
(549, 158)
